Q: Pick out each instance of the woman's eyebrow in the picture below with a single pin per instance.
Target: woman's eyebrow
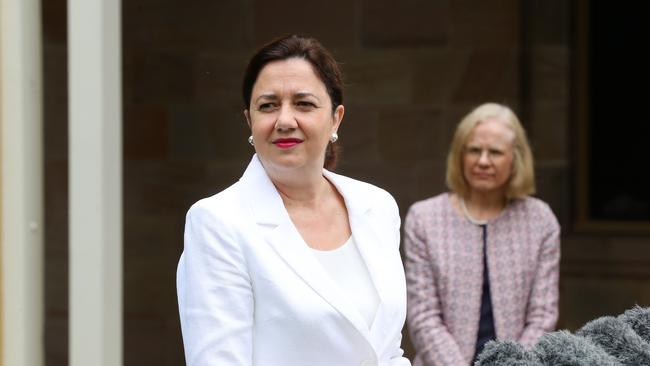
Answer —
(269, 96)
(305, 94)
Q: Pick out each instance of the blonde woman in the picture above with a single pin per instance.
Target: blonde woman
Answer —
(482, 261)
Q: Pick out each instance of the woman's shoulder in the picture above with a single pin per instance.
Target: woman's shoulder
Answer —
(533, 204)
(360, 188)
(221, 204)
(534, 207)
(431, 204)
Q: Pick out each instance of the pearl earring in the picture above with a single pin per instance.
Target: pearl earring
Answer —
(334, 137)
(250, 140)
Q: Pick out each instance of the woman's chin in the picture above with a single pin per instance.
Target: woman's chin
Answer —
(285, 163)
(486, 188)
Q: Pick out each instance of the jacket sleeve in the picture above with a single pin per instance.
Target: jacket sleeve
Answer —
(431, 338)
(397, 357)
(542, 310)
(214, 294)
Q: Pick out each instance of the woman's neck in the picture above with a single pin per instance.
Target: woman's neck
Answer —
(298, 184)
(483, 206)
(304, 191)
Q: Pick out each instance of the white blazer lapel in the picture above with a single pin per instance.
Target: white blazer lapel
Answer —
(279, 232)
(369, 235)
(368, 242)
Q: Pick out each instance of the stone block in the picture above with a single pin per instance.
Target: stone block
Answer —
(146, 132)
(208, 133)
(430, 178)
(552, 181)
(192, 134)
(395, 177)
(152, 247)
(437, 74)
(410, 133)
(144, 341)
(334, 23)
(378, 78)
(149, 286)
(550, 74)
(485, 24)
(450, 117)
(218, 78)
(606, 254)
(157, 76)
(585, 299)
(153, 237)
(550, 21)
(229, 132)
(189, 27)
(158, 188)
(548, 131)
(409, 23)
(358, 134)
(490, 75)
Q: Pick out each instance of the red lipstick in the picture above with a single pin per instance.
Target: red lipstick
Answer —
(287, 143)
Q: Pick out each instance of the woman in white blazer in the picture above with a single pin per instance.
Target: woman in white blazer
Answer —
(293, 265)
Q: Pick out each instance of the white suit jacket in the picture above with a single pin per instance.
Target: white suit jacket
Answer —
(251, 292)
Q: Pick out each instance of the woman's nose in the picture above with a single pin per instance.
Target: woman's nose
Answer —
(484, 159)
(286, 119)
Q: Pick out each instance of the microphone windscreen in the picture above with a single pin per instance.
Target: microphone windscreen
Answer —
(564, 348)
(618, 339)
(639, 319)
(506, 353)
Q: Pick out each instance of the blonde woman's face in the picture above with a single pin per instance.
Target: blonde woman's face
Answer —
(488, 156)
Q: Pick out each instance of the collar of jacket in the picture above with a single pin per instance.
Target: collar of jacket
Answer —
(267, 208)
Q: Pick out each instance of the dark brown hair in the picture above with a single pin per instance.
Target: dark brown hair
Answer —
(309, 49)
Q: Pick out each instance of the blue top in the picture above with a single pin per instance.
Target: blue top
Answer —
(486, 322)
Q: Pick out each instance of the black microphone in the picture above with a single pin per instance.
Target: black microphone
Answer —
(506, 353)
(639, 319)
(564, 348)
(618, 339)
(606, 341)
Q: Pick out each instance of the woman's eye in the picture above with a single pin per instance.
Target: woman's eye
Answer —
(266, 107)
(496, 152)
(305, 104)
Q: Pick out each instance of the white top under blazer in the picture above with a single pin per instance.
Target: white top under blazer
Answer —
(251, 292)
(346, 267)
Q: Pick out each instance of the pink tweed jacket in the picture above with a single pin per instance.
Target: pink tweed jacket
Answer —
(444, 273)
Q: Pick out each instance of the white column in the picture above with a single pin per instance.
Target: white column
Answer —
(94, 71)
(21, 158)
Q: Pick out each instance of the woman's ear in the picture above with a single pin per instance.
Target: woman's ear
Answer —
(338, 117)
(248, 117)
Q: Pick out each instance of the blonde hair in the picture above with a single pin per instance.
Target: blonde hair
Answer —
(522, 178)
